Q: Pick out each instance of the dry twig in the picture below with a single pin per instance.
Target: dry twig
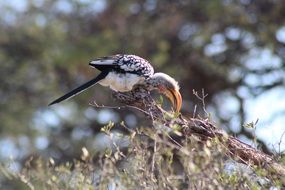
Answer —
(205, 130)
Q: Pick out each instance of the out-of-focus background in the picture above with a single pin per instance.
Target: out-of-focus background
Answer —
(233, 50)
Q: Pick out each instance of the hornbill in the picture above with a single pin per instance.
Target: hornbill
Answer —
(122, 72)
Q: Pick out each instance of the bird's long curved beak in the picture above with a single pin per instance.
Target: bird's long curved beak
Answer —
(175, 98)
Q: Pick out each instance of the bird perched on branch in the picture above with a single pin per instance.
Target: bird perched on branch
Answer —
(122, 72)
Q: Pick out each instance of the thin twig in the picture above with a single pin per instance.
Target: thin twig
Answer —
(204, 129)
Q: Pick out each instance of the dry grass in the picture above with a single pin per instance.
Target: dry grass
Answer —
(153, 160)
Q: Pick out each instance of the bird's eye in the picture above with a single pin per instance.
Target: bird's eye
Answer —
(160, 88)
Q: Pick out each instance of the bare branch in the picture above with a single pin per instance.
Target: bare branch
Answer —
(205, 130)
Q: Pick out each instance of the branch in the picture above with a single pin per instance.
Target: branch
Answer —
(205, 130)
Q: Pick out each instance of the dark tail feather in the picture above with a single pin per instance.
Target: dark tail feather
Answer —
(81, 88)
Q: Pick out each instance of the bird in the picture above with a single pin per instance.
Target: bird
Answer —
(122, 72)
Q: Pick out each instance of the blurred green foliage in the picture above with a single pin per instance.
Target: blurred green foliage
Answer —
(151, 161)
(45, 47)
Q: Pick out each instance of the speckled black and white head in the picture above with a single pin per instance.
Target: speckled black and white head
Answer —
(168, 86)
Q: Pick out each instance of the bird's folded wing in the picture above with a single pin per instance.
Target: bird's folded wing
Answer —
(123, 63)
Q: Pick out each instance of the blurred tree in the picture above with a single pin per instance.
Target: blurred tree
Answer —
(45, 47)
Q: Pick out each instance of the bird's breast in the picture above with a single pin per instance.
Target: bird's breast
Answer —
(121, 82)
